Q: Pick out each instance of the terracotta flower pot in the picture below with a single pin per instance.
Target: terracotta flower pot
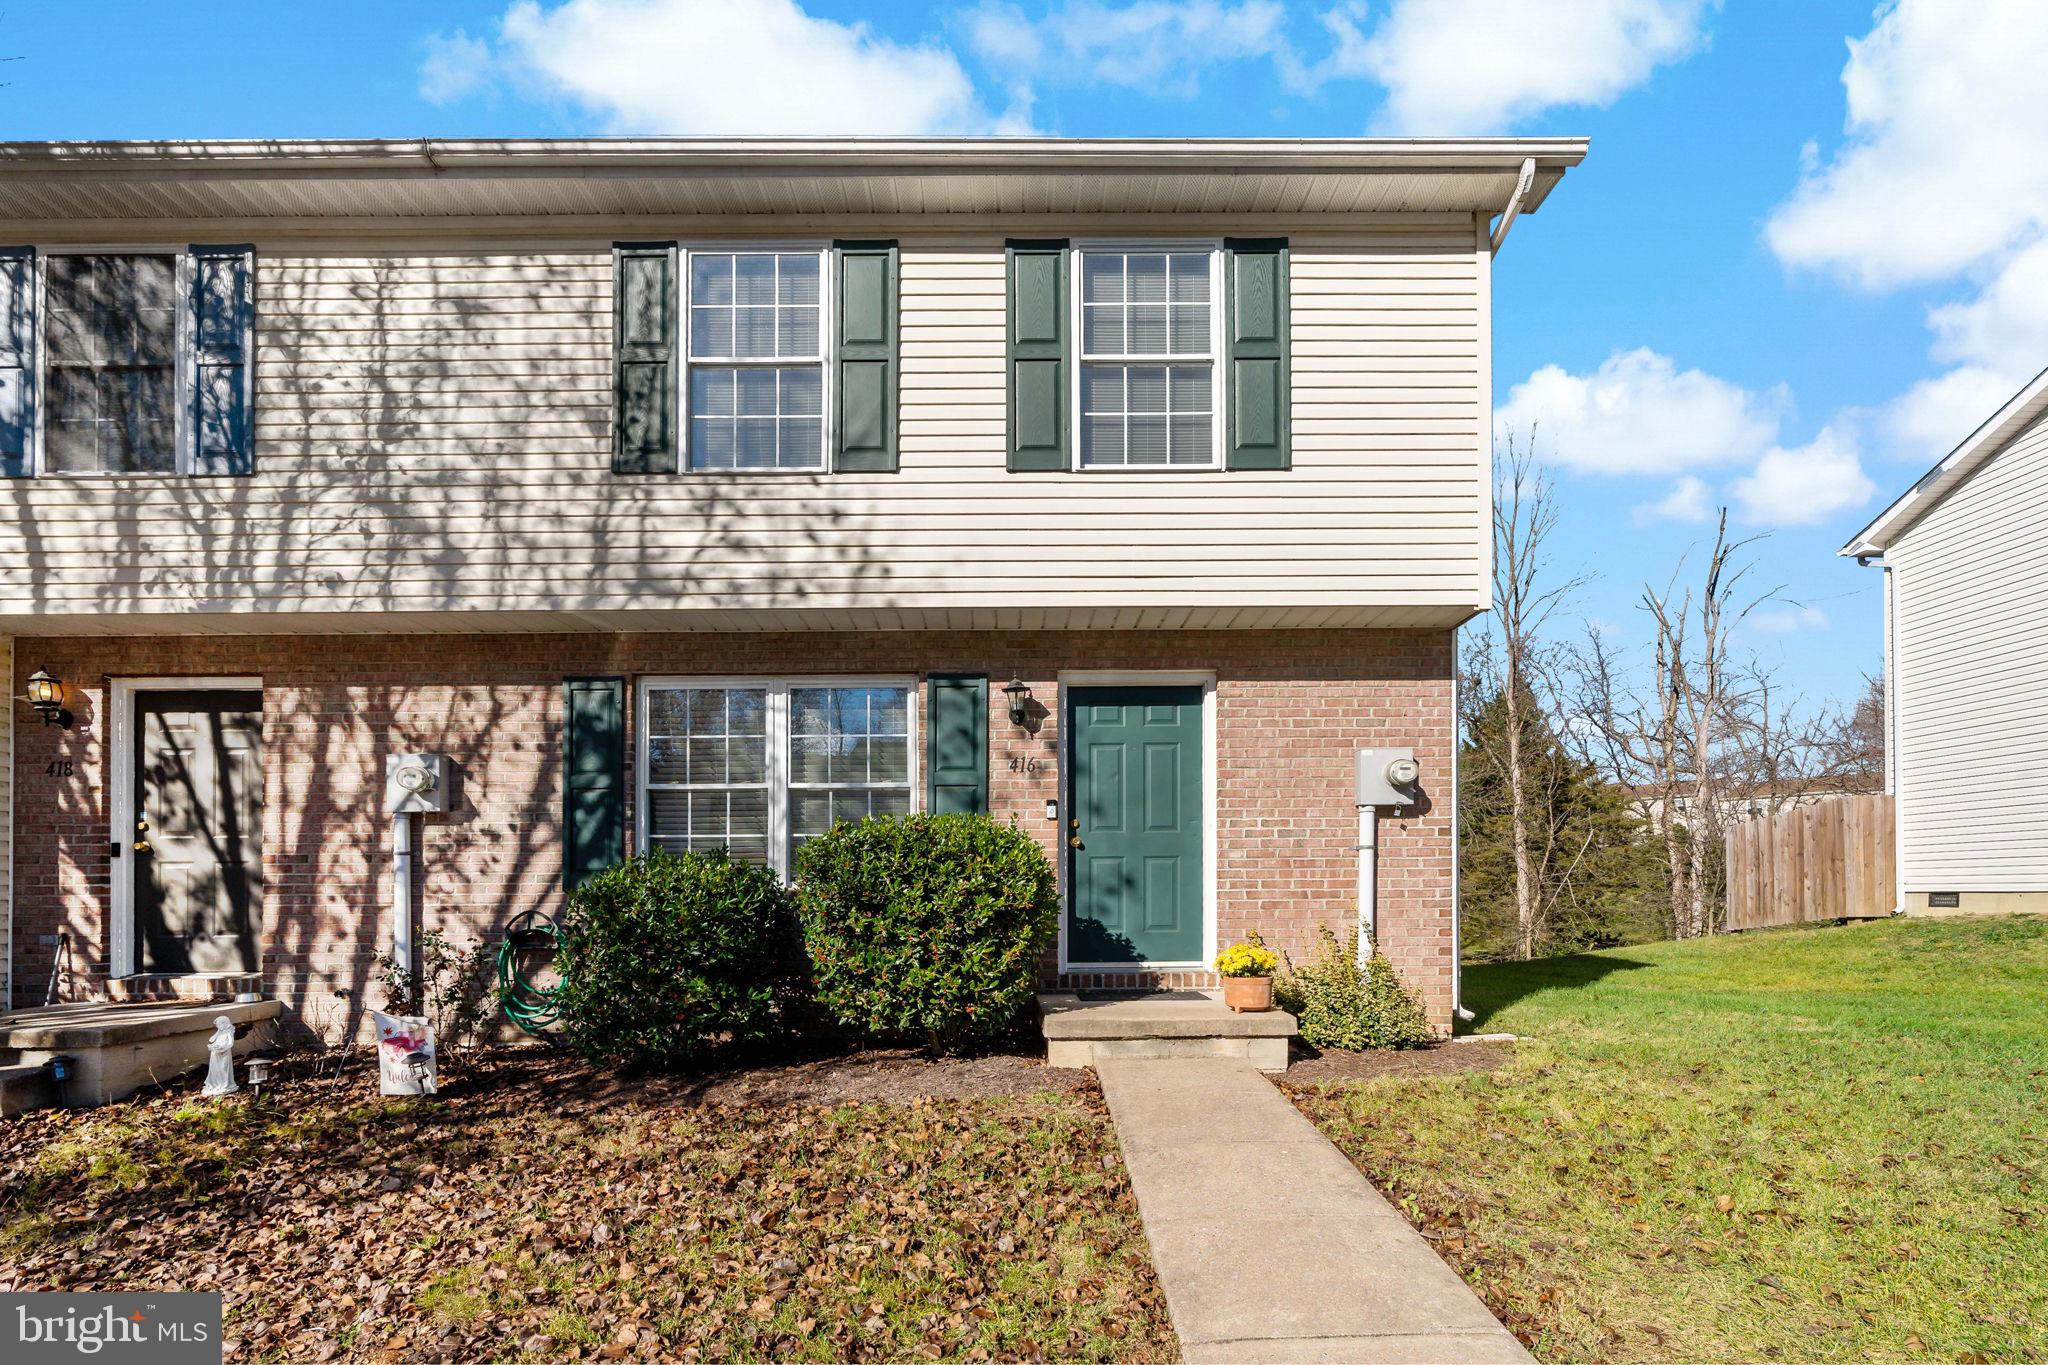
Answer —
(1248, 994)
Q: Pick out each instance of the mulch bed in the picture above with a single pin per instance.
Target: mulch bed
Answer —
(869, 1205)
(1311, 1068)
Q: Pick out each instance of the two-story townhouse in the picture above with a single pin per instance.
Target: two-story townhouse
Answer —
(694, 493)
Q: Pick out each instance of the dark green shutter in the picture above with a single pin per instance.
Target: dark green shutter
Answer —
(866, 378)
(17, 357)
(958, 752)
(593, 776)
(223, 325)
(644, 357)
(1038, 337)
(1255, 303)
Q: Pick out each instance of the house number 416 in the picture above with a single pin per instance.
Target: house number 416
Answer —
(1026, 765)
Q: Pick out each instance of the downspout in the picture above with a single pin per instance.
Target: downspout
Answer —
(1514, 206)
(1891, 723)
(1457, 852)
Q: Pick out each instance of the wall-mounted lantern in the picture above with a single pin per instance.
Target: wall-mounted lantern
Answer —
(1020, 698)
(46, 695)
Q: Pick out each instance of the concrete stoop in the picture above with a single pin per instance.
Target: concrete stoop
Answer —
(1082, 1030)
(116, 1049)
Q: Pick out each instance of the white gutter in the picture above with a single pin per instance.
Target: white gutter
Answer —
(1514, 208)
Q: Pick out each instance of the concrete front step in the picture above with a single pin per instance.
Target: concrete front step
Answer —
(1082, 1030)
(172, 988)
(116, 1049)
(24, 1087)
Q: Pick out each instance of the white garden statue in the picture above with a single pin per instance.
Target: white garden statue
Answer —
(220, 1059)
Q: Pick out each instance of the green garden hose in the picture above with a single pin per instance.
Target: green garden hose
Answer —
(531, 1007)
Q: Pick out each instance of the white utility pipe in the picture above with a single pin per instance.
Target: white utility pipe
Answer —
(401, 893)
(1368, 882)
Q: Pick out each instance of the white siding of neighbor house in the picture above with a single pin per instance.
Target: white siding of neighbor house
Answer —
(1970, 677)
(433, 437)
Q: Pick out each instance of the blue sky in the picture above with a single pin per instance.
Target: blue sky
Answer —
(1808, 253)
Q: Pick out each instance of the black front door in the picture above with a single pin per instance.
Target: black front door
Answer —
(197, 845)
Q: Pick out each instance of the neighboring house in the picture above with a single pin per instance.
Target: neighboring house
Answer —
(700, 493)
(1750, 803)
(1966, 667)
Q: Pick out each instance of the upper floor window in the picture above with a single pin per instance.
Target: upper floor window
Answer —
(111, 344)
(756, 360)
(125, 362)
(1149, 345)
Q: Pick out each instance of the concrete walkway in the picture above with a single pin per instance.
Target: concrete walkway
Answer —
(1269, 1243)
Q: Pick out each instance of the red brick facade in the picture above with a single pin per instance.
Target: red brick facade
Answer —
(1291, 706)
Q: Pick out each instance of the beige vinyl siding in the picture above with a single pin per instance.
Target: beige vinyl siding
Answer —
(432, 435)
(1970, 665)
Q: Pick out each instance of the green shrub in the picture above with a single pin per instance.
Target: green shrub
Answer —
(925, 926)
(1341, 1005)
(663, 958)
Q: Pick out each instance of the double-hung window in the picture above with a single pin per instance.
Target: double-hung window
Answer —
(125, 361)
(761, 766)
(1147, 392)
(756, 358)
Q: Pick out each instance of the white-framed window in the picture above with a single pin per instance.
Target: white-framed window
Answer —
(1146, 390)
(761, 765)
(755, 381)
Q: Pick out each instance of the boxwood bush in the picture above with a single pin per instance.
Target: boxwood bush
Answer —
(925, 926)
(665, 957)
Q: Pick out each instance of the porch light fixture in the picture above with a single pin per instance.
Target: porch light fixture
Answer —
(46, 695)
(1020, 697)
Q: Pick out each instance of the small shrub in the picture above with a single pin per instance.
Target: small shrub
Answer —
(447, 986)
(1339, 1004)
(665, 957)
(925, 926)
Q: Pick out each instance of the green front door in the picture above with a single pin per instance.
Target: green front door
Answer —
(1134, 846)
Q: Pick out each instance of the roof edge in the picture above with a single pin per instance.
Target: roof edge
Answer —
(1954, 469)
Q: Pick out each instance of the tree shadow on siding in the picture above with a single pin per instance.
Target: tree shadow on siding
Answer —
(432, 436)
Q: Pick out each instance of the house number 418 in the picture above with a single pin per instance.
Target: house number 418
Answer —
(59, 767)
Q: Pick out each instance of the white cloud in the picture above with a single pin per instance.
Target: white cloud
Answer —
(1945, 165)
(1805, 485)
(1640, 414)
(1159, 47)
(1477, 66)
(1930, 419)
(2006, 325)
(736, 66)
(1688, 500)
(1788, 618)
(456, 65)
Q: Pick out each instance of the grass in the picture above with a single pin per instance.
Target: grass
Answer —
(532, 1220)
(1823, 1144)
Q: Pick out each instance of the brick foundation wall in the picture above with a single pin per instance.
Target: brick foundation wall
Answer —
(1291, 708)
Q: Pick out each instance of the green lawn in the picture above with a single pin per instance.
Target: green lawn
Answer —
(524, 1217)
(1824, 1144)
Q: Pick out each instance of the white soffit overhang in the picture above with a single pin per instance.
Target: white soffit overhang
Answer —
(2029, 404)
(57, 182)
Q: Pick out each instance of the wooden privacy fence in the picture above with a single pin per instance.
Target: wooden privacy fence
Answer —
(1830, 860)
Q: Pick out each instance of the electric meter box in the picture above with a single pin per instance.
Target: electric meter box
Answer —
(1387, 777)
(416, 784)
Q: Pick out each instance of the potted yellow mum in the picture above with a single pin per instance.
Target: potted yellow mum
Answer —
(1247, 972)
